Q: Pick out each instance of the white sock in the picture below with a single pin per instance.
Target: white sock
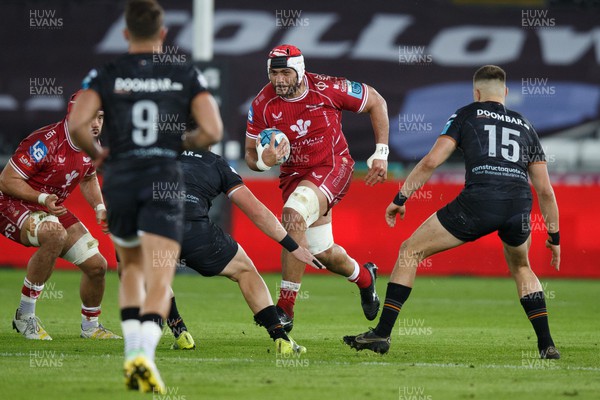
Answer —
(88, 322)
(287, 285)
(132, 333)
(27, 304)
(151, 334)
(356, 272)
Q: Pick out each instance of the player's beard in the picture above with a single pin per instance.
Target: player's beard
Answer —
(288, 90)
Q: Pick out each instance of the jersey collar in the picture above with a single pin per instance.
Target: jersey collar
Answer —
(69, 137)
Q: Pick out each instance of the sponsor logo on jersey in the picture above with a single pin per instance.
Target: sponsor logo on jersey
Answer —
(313, 107)
(251, 115)
(38, 151)
(88, 79)
(146, 85)
(191, 154)
(321, 86)
(500, 117)
(49, 134)
(301, 127)
(315, 175)
(450, 120)
(69, 177)
(24, 160)
(311, 141)
(9, 230)
(61, 159)
(354, 89)
(86, 159)
(278, 116)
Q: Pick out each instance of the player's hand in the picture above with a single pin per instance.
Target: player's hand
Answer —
(281, 150)
(269, 154)
(377, 173)
(390, 214)
(306, 257)
(555, 262)
(101, 220)
(54, 209)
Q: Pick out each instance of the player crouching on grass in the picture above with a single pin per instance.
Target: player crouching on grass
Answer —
(44, 170)
(210, 251)
(501, 149)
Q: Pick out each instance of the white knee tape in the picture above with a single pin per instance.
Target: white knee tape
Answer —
(305, 201)
(83, 249)
(38, 217)
(319, 238)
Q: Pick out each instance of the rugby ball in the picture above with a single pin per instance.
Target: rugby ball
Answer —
(265, 141)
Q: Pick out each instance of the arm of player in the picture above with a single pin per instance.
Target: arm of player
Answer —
(377, 108)
(268, 223)
(13, 184)
(538, 172)
(439, 153)
(84, 111)
(90, 189)
(206, 114)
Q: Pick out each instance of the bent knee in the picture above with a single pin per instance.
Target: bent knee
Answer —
(95, 266)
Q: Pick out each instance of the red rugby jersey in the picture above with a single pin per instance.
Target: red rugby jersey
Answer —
(50, 162)
(312, 122)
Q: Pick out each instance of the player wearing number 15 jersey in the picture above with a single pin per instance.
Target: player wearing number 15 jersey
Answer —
(147, 96)
(501, 151)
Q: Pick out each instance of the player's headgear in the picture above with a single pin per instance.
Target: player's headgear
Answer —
(287, 56)
(71, 102)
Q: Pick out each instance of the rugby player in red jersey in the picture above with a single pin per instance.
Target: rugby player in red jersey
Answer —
(308, 108)
(43, 171)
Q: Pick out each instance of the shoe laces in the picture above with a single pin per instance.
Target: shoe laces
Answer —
(34, 325)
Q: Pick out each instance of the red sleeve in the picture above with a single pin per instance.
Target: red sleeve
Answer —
(30, 156)
(345, 94)
(91, 171)
(256, 122)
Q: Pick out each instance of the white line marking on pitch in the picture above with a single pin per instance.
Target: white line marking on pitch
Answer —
(387, 363)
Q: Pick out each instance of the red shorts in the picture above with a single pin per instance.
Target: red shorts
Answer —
(14, 212)
(333, 180)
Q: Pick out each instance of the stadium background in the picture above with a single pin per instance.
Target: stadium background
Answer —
(419, 57)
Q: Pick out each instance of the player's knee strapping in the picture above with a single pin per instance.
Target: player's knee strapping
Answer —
(83, 249)
(37, 218)
(319, 238)
(305, 202)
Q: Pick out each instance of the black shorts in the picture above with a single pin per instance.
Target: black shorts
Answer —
(146, 198)
(468, 218)
(206, 248)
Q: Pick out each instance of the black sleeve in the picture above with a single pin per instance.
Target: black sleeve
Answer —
(229, 177)
(453, 127)
(198, 80)
(535, 152)
(93, 80)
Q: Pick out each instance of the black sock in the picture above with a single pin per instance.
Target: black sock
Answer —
(534, 305)
(267, 318)
(152, 317)
(130, 313)
(174, 321)
(395, 296)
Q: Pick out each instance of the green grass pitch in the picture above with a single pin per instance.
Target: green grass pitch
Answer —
(456, 338)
